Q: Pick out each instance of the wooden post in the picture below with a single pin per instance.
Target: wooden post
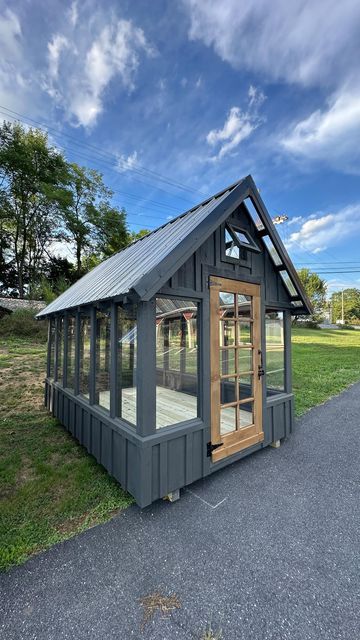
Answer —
(146, 368)
(56, 348)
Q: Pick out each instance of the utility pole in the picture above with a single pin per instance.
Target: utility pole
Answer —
(342, 306)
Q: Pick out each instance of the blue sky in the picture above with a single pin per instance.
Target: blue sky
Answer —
(200, 93)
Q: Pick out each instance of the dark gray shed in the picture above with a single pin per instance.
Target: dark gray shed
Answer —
(172, 358)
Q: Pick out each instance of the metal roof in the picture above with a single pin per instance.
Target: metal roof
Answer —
(145, 265)
(119, 274)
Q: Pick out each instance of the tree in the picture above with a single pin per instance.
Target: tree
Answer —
(315, 289)
(137, 235)
(351, 299)
(90, 222)
(32, 177)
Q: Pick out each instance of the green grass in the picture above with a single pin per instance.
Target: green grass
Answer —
(324, 363)
(50, 488)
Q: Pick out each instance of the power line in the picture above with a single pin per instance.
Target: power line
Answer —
(139, 169)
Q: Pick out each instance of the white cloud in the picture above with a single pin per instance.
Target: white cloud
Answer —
(80, 70)
(332, 134)
(73, 13)
(321, 231)
(55, 47)
(238, 125)
(294, 220)
(300, 41)
(126, 163)
(10, 34)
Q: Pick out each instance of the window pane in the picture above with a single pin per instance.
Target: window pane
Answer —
(244, 333)
(288, 283)
(274, 326)
(227, 420)
(244, 362)
(227, 304)
(127, 349)
(246, 386)
(244, 306)
(227, 361)
(231, 248)
(226, 332)
(228, 390)
(176, 361)
(253, 214)
(271, 249)
(60, 350)
(246, 415)
(52, 347)
(84, 349)
(70, 369)
(102, 381)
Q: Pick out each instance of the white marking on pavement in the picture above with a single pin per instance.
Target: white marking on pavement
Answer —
(212, 506)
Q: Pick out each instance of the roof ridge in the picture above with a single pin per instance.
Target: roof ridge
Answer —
(185, 213)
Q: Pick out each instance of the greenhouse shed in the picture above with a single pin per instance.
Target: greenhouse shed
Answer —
(172, 358)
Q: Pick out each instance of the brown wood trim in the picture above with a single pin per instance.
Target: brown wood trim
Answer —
(247, 436)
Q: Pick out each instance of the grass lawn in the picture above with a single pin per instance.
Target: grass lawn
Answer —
(50, 488)
(324, 363)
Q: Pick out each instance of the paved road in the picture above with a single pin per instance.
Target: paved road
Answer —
(265, 549)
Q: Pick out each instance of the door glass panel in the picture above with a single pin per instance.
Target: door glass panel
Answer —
(227, 304)
(246, 386)
(244, 306)
(227, 332)
(244, 332)
(227, 420)
(227, 361)
(246, 415)
(244, 360)
(228, 390)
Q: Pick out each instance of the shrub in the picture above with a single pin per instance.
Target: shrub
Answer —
(22, 323)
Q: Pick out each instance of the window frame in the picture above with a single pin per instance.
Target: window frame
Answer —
(273, 391)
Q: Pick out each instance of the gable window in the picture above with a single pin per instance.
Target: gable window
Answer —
(237, 242)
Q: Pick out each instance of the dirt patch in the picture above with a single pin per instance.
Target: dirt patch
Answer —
(158, 602)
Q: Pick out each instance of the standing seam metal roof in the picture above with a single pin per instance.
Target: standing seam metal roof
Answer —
(118, 274)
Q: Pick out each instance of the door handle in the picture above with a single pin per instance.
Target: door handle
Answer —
(261, 370)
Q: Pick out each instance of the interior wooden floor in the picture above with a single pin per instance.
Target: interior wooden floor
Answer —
(173, 407)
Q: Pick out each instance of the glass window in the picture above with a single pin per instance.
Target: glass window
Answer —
(272, 251)
(51, 347)
(84, 364)
(232, 250)
(275, 368)
(288, 283)
(176, 361)
(126, 366)
(70, 369)
(102, 379)
(253, 214)
(60, 349)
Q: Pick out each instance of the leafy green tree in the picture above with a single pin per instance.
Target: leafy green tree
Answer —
(32, 177)
(351, 298)
(91, 224)
(136, 235)
(315, 288)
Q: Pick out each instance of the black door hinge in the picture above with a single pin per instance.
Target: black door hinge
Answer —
(211, 447)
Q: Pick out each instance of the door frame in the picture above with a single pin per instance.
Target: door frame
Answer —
(228, 444)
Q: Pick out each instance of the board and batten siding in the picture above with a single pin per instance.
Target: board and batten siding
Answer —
(151, 466)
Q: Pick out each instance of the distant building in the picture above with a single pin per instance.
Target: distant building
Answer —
(8, 305)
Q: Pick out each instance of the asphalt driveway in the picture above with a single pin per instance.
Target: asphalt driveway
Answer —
(267, 548)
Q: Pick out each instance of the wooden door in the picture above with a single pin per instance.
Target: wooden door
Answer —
(236, 366)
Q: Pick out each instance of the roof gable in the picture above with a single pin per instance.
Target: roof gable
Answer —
(144, 266)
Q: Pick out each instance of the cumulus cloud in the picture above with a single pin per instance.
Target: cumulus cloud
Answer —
(301, 41)
(321, 231)
(80, 69)
(331, 134)
(238, 125)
